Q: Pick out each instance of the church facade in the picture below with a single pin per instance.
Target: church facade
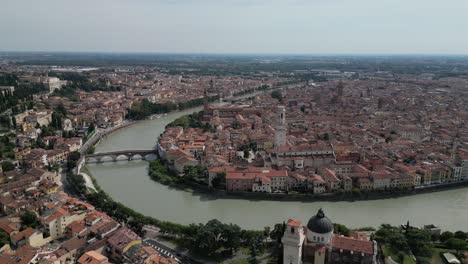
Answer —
(317, 244)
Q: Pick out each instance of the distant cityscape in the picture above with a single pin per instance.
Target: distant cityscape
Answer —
(262, 128)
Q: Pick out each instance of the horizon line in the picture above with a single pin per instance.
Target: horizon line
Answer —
(338, 54)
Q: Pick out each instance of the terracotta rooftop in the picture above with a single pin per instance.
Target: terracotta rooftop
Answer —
(294, 222)
(352, 244)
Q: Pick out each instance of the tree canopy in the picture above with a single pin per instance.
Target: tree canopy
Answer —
(29, 219)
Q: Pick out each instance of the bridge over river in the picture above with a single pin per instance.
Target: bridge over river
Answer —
(121, 155)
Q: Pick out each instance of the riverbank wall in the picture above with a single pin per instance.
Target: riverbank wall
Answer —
(198, 189)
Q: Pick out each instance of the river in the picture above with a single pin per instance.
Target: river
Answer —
(129, 183)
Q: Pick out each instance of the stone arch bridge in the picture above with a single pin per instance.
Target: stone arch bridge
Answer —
(120, 156)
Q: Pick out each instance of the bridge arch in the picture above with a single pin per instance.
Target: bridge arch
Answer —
(137, 157)
(107, 158)
(121, 157)
(150, 157)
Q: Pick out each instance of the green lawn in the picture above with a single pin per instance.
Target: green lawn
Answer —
(436, 258)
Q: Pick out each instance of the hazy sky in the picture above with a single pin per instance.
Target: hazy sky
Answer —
(236, 26)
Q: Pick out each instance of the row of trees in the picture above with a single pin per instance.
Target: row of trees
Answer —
(79, 81)
(18, 101)
(210, 239)
(145, 108)
(251, 90)
(21, 98)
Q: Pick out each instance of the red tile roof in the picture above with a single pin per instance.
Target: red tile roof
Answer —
(294, 222)
(352, 244)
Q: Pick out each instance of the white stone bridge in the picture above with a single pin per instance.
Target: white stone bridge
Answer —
(121, 155)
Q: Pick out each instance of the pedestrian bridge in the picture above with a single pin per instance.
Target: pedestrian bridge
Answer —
(121, 155)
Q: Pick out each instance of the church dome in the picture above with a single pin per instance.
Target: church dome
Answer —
(320, 224)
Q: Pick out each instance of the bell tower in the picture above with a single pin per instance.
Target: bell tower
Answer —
(280, 129)
(293, 240)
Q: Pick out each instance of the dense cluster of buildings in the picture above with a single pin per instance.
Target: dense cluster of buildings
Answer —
(336, 136)
(67, 230)
(379, 132)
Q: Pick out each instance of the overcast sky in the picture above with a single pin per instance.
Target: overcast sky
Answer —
(236, 26)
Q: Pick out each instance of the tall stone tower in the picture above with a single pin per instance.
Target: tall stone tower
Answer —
(205, 99)
(293, 240)
(280, 129)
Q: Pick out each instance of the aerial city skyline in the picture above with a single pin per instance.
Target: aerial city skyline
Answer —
(233, 132)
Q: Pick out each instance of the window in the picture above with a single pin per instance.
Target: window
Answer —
(292, 230)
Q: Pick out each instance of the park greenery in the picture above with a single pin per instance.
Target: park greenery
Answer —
(145, 108)
(21, 98)
(188, 121)
(403, 242)
(18, 101)
(76, 82)
(160, 172)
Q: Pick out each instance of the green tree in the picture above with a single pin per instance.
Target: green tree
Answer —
(4, 238)
(13, 122)
(266, 232)
(219, 182)
(91, 128)
(72, 160)
(29, 219)
(341, 229)
(231, 237)
(56, 121)
(7, 166)
(419, 242)
(460, 235)
(246, 153)
(278, 232)
(446, 236)
(62, 110)
(455, 243)
(277, 95)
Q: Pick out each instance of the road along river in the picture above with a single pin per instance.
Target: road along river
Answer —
(129, 183)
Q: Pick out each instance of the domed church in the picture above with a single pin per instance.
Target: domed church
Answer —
(317, 244)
